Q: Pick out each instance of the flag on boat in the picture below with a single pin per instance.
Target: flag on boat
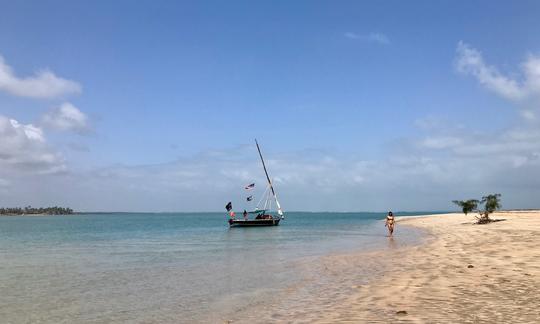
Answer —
(250, 186)
(229, 206)
(250, 198)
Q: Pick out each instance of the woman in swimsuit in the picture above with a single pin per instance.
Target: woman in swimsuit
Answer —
(390, 223)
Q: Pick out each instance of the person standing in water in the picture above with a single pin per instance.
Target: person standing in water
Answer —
(389, 223)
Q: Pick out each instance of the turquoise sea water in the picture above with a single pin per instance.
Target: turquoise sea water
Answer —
(165, 267)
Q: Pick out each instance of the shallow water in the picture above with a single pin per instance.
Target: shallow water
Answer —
(167, 267)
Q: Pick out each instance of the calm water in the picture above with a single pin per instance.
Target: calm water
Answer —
(161, 267)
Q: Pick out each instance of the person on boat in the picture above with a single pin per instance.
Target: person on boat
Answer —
(389, 223)
(245, 215)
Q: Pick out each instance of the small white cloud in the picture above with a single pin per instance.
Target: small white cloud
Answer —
(531, 68)
(374, 37)
(44, 84)
(443, 142)
(470, 61)
(352, 35)
(30, 131)
(4, 183)
(23, 148)
(67, 117)
(379, 38)
(528, 115)
(519, 161)
(429, 122)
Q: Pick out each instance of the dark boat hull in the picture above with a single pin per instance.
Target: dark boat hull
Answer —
(254, 222)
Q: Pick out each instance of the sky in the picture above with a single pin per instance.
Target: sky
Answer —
(357, 105)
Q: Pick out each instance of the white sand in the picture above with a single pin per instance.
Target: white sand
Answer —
(434, 283)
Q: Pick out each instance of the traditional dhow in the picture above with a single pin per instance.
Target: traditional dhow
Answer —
(261, 216)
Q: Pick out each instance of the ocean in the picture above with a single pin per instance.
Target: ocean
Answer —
(165, 267)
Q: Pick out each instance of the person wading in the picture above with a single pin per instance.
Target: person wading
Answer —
(390, 221)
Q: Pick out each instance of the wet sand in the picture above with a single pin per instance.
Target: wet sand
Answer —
(462, 273)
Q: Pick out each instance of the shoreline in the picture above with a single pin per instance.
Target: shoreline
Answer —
(328, 280)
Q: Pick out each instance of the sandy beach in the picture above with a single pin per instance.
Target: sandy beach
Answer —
(462, 273)
(465, 273)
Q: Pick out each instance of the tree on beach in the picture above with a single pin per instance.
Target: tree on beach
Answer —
(467, 206)
(491, 204)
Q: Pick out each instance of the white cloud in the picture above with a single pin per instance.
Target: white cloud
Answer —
(531, 68)
(379, 38)
(44, 84)
(426, 173)
(30, 131)
(454, 166)
(528, 115)
(470, 61)
(352, 35)
(4, 183)
(373, 37)
(441, 142)
(23, 148)
(67, 117)
(324, 181)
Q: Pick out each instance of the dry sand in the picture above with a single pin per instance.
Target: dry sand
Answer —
(465, 273)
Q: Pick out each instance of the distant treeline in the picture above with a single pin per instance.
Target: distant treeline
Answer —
(31, 210)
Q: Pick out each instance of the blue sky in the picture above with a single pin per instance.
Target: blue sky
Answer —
(358, 105)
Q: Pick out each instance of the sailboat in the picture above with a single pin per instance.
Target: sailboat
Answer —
(261, 216)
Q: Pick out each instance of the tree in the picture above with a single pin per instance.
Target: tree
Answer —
(467, 206)
(491, 204)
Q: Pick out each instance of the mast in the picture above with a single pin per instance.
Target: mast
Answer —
(280, 212)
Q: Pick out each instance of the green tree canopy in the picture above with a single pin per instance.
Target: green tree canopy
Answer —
(492, 203)
(467, 206)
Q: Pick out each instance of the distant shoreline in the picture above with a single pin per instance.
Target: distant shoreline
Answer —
(413, 214)
(35, 211)
(37, 215)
